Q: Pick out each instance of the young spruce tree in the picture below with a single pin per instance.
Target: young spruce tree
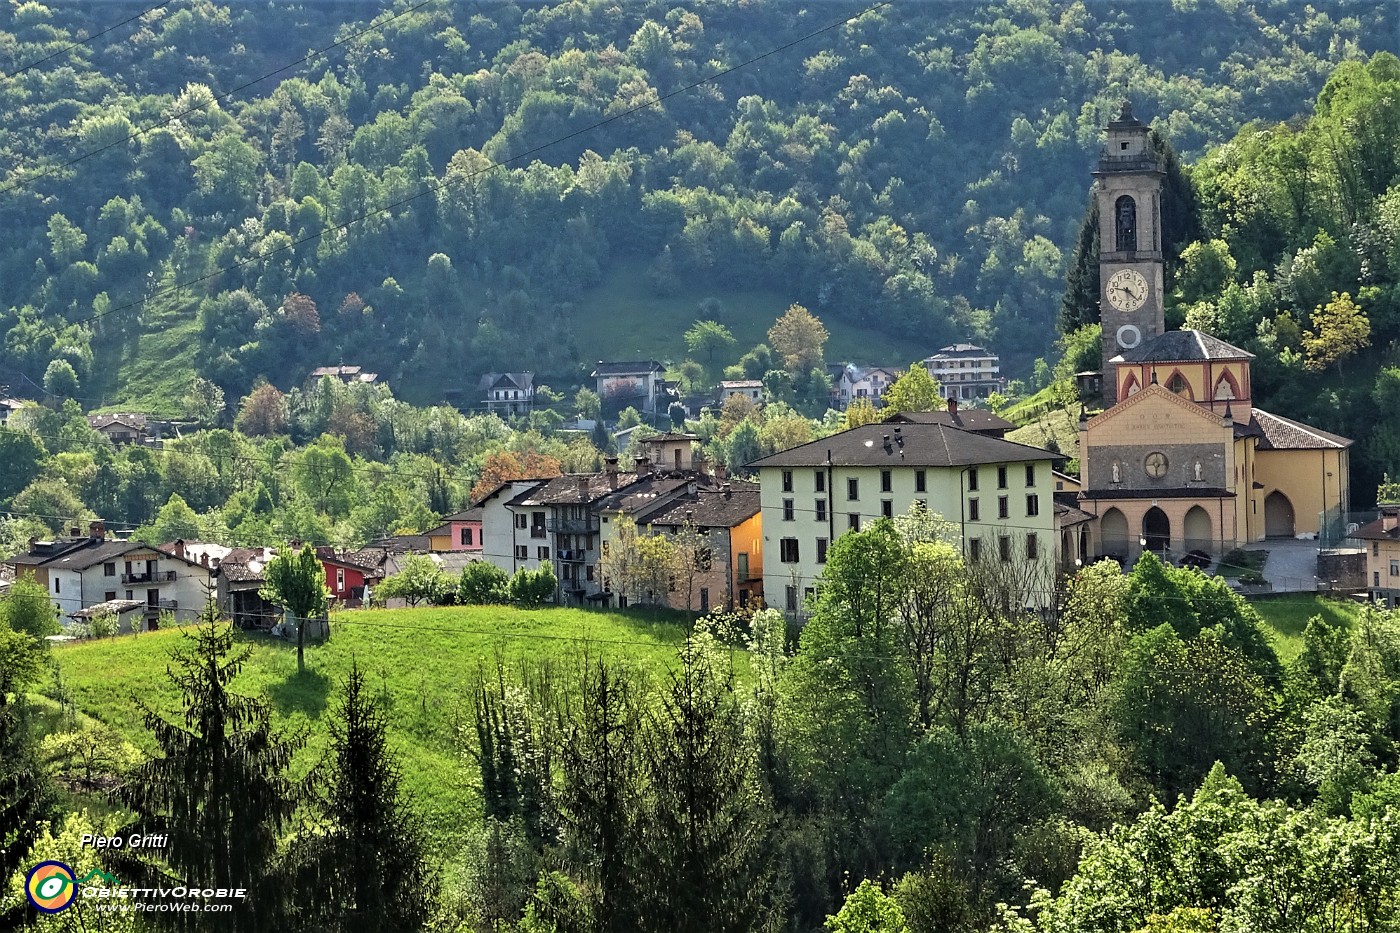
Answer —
(219, 789)
(369, 860)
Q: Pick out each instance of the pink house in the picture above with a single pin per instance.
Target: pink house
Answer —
(459, 532)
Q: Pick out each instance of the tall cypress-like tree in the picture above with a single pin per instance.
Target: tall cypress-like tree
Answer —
(704, 865)
(370, 860)
(1080, 303)
(599, 798)
(1181, 226)
(219, 789)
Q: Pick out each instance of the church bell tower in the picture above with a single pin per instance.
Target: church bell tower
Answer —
(1128, 186)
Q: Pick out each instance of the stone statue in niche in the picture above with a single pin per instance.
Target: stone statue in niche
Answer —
(1196, 470)
(1117, 475)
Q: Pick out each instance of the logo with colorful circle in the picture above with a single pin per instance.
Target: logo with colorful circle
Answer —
(51, 887)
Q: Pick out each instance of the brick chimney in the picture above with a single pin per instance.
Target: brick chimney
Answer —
(721, 472)
(610, 465)
(97, 530)
(952, 405)
(180, 549)
(1390, 518)
(641, 464)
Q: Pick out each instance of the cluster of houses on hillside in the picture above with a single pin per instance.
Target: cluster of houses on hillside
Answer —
(966, 372)
(763, 541)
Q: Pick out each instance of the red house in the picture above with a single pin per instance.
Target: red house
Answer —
(346, 580)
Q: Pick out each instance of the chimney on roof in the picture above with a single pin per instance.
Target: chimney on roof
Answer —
(97, 530)
(73, 531)
(32, 543)
(952, 405)
(610, 465)
(726, 489)
(180, 549)
(898, 436)
(204, 559)
(583, 486)
(888, 448)
(641, 464)
(721, 472)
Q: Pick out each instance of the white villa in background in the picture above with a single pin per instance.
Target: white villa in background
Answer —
(861, 382)
(508, 394)
(966, 371)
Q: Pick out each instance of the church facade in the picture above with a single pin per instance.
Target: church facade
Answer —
(1181, 460)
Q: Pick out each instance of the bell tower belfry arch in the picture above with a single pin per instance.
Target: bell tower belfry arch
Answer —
(1128, 188)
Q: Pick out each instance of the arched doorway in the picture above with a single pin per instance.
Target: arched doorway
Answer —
(1157, 529)
(1114, 528)
(1196, 531)
(1278, 516)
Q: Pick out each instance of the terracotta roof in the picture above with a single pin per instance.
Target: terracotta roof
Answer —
(1375, 531)
(1280, 433)
(936, 445)
(1182, 346)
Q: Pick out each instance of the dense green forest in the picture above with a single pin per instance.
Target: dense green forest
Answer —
(918, 173)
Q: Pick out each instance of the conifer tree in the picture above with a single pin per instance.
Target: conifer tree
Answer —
(26, 616)
(218, 788)
(703, 865)
(370, 859)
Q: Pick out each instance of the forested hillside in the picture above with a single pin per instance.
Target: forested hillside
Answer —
(919, 172)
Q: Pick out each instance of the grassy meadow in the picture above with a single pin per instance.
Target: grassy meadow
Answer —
(419, 662)
(1285, 617)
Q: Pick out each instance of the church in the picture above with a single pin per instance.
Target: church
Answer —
(1180, 459)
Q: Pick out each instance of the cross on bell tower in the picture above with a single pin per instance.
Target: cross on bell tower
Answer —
(1128, 187)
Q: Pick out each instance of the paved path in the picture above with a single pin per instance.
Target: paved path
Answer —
(1292, 564)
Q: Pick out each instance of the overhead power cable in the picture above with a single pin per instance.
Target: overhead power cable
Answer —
(21, 180)
(66, 49)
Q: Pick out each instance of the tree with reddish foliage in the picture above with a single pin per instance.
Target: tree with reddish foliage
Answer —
(504, 465)
(300, 311)
(263, 412)
(352, 304)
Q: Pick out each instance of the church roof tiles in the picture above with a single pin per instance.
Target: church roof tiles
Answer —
(1182, 346)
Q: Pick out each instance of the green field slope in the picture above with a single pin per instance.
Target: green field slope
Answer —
(419, 662)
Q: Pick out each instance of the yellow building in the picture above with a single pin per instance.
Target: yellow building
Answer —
(1382, 540)
(1185, 461)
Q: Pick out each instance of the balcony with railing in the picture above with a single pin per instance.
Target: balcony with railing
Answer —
(572, 555)
(149, 576)
(573, 526)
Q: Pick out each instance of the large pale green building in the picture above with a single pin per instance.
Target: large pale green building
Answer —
(998, 495)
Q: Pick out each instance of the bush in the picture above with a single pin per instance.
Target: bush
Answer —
(483, 582)
(533, 587)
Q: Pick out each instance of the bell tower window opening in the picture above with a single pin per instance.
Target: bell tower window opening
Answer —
(1125, 223)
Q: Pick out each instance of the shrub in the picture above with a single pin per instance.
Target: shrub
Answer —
(483, 582)
(533, 587)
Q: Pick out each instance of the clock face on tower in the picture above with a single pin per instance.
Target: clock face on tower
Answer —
(1127, 290)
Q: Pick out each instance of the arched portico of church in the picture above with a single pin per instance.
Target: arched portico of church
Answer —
(1170, 528)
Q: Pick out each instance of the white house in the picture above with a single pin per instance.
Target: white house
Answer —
(508, 394)
(635, 384)
(861, 382)
(966, 371)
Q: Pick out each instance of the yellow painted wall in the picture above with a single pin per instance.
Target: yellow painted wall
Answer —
(1301, 475)
(747, 537)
